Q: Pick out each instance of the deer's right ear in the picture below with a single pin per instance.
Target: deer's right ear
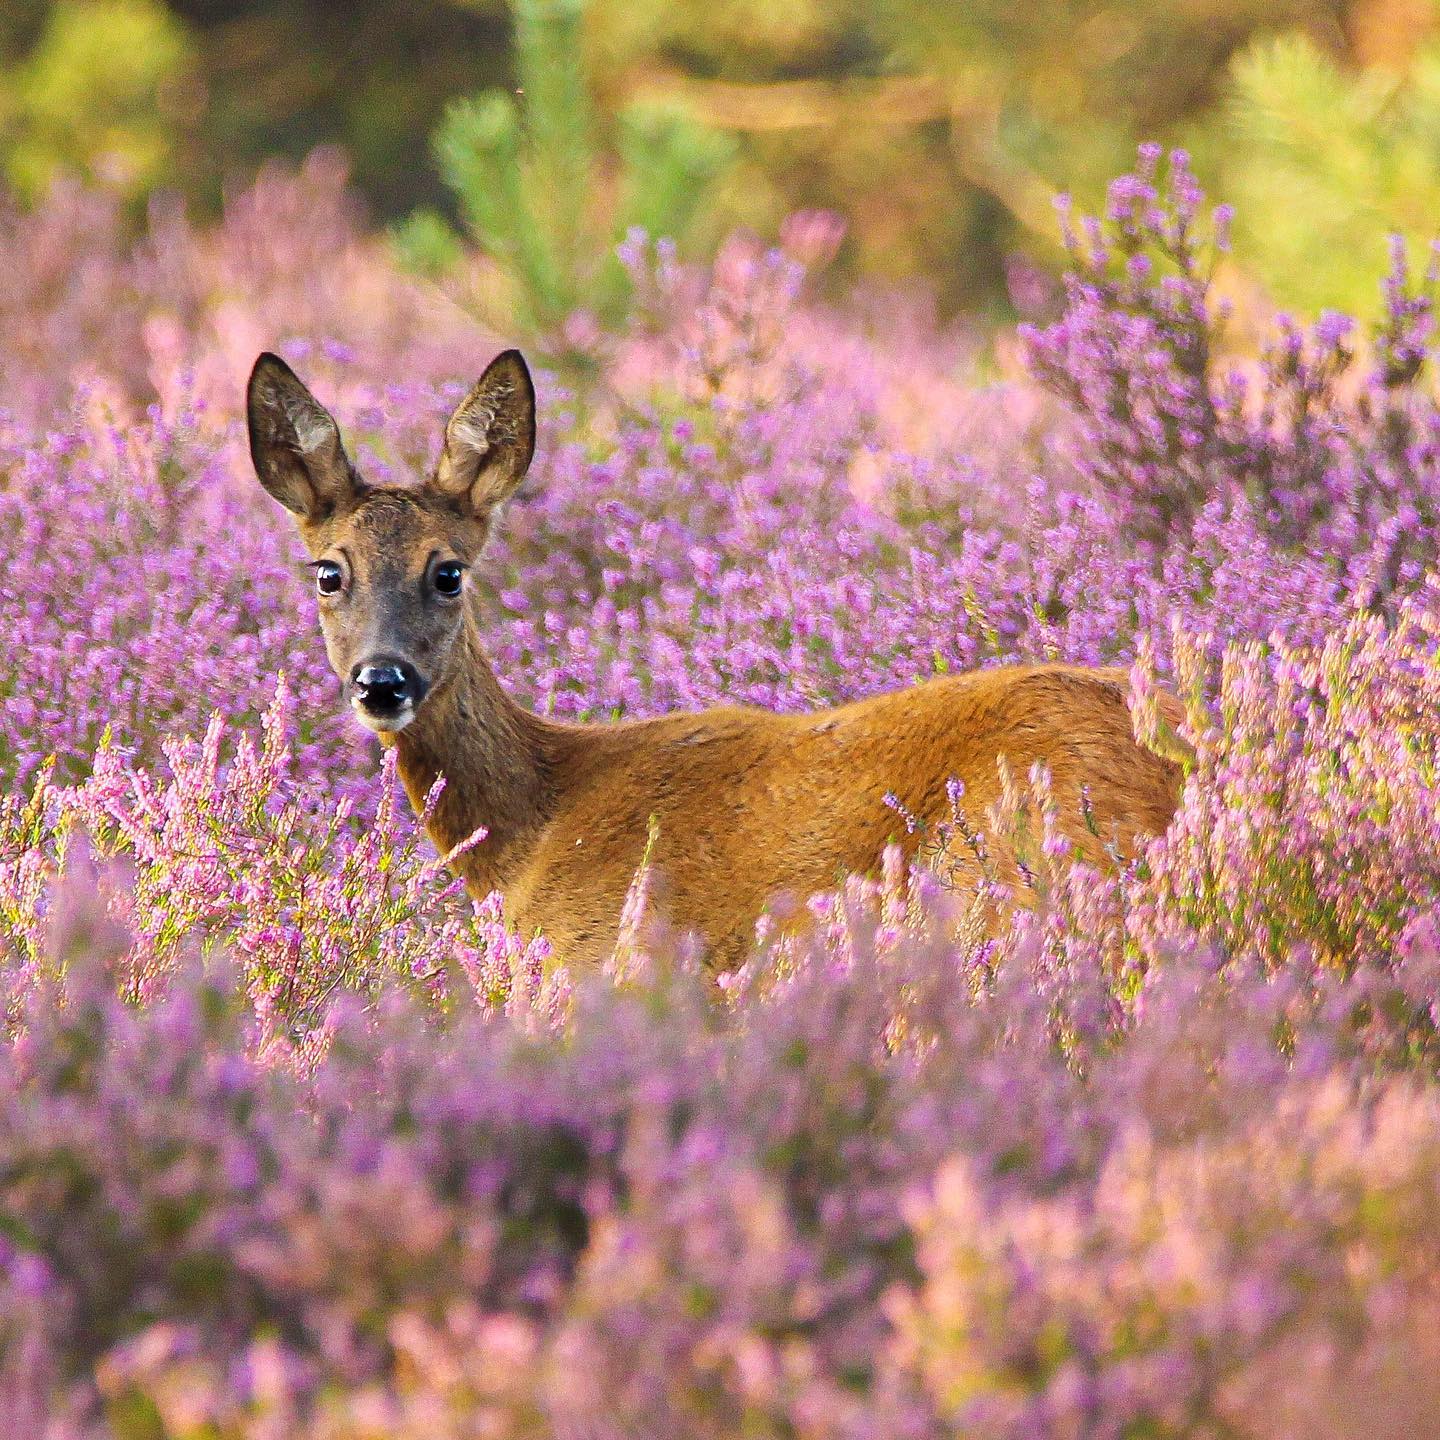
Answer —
(295, 442)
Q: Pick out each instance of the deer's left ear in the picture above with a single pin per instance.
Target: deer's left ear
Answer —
(490, 439)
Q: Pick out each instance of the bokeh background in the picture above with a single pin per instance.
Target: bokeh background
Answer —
(543, 130)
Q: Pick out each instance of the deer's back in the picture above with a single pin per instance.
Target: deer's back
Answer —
(749, 804)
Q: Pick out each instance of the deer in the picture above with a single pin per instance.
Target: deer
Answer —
(732, 808)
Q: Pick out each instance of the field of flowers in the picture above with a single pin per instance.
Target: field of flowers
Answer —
(295, 1142)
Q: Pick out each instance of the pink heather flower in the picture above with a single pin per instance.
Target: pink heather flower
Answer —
(812, 237)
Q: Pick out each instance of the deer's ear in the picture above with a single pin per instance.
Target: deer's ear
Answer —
(295, 442)
(490, 439)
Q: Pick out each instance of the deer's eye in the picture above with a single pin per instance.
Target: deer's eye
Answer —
(327, 577)
(448, 577)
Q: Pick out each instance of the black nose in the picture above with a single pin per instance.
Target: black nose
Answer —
(385, 686)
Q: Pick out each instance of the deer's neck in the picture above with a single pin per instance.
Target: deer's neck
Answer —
(498, 761)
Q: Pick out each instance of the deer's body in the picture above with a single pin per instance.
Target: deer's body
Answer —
(747, 804)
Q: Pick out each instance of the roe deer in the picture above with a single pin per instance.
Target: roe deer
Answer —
(747, 803)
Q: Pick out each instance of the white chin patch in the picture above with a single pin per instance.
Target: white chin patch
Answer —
(383, 725)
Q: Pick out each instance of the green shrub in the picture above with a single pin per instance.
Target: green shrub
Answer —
(1321, 160)
(541, 194)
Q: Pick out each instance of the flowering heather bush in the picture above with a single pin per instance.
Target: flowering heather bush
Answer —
(294, 1140)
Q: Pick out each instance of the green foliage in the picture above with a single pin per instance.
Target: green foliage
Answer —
(1319, 161)
(102, 95)
(425, 243)
(940, 132)
(540, 194)
(667, 160)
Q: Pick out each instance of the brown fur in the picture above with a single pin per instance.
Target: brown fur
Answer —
(748, 804)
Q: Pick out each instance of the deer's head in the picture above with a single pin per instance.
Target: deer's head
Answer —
(392, 563)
